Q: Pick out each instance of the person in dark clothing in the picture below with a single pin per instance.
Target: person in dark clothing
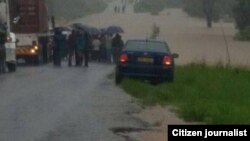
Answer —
(103, 48)
(2, 59)
(86, 49)
(123, 8)
(117, 45)
(81, 46)
(71, 46)
(2, 51)
(60, 43)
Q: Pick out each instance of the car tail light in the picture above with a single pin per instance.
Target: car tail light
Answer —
(123, 58)
(167, 60)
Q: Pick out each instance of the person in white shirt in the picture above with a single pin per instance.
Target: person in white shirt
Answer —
(96, 43)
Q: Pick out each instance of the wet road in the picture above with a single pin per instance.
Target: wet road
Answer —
(63, 104)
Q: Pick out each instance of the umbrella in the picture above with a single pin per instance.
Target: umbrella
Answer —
(90, 30)
(80, 26)
(103, 30)
(93, 31)
(114, 29)
(62, 29)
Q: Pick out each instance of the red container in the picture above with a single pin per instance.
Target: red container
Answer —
(33, 16)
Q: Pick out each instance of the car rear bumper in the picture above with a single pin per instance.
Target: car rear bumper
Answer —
(154, 72)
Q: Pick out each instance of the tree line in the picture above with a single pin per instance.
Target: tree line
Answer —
(237, 11)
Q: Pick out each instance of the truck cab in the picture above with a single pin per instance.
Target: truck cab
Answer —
(29, 21)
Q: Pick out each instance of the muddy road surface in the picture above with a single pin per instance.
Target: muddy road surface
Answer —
(63, 104)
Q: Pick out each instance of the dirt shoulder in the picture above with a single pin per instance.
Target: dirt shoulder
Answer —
(158, 118)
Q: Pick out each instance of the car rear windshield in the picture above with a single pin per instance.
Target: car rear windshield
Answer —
(149, 46)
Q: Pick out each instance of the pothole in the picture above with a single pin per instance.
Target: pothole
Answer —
(125, 131)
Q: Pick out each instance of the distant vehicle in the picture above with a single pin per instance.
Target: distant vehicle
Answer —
(29, 21)
(10, 48)
(146, 59)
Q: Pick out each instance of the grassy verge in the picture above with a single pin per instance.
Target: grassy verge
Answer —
(201, 93)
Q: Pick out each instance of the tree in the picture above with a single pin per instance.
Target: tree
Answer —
(208, 6)
(211, 10)
(242, 14)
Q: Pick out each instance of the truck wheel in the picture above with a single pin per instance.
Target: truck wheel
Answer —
(11, 67)
(37, 60)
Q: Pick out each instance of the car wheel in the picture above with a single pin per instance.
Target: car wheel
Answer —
(118, 78)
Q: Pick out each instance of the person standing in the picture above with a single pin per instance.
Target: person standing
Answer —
(86, 49)
(96, 43)
(83, 45)
(2, 51)
(117, 46)
(60, 43)
(2, 54)
(103, 48)
(80, 44)
(71, 46)
(109, 47)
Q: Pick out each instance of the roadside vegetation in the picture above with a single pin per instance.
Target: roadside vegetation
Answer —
(221, 9)
(242, 17)
(237, 11)
(211, 94)
(66, 9)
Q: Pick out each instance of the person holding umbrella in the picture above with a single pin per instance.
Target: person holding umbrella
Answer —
(117, 46)
(71, 46)
(82, 46)
(108, 42)
(60, 43)
(3, 37)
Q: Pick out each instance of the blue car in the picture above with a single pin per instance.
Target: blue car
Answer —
(146, 59)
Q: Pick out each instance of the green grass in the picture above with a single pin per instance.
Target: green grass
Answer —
(211, 94)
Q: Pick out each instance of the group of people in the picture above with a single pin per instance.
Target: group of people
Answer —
(80, 47)
(76, 44)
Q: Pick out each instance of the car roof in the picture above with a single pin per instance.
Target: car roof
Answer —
(162, 46)
(146, 40)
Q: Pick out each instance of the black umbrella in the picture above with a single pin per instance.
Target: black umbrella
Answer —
(103, 30)
(61, 29)
(114, 29)
(94, 31)
(80, 26)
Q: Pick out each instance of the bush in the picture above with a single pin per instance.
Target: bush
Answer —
(242, 15)
(220, 8)
(243, 35)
